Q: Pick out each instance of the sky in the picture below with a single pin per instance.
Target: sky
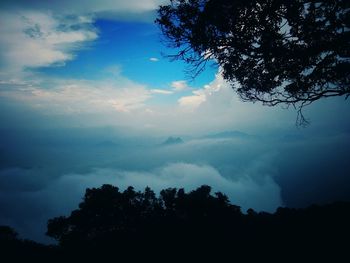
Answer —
(87, 97)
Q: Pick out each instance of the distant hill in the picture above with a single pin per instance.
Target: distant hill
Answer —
(172, 141)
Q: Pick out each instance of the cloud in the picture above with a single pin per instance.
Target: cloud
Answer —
(179, 85)
(193, 101)
(161, 91)
(244, 189)
(154, 59)
(212, 108)
(200, 96)
(82, 96)
(32, 39)
(216, 106)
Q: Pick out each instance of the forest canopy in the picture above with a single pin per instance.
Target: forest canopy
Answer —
(136, 226)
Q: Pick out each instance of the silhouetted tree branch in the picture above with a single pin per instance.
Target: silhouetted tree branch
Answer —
(272, 51)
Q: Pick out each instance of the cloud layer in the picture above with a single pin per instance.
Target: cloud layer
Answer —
(37, 203)
(44, 172)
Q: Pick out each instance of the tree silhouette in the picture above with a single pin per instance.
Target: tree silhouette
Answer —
(134, 226)
(15, 249)
(7, 233)
(278, 51)
(197, 225)
(108, 218)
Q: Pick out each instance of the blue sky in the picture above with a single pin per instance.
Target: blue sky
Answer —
(137, 49)
(86, 98)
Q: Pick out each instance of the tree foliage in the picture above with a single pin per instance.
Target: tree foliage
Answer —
(108, 215)
(273, 51)
(136, 226)
(8, 233)
(178, 226)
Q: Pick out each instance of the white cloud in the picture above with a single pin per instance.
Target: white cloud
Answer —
(154, 59)
(194, 100)
(200, 96)
(216, 106)
(36, 39)
(161, 91)
(179, 85)
(82, 96)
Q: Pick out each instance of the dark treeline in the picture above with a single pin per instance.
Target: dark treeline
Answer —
(128, 226)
